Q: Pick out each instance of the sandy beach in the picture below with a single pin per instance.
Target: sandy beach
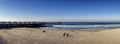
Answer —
(52, 36)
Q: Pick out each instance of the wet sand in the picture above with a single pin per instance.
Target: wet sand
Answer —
(52, 36)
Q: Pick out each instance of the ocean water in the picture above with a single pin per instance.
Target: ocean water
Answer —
(85, 25)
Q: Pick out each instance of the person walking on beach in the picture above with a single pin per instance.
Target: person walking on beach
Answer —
(66, 34)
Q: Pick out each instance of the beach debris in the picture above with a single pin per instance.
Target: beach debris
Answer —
(72, 30)
(44, 31)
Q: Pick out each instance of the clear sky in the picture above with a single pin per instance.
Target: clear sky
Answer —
(60, 10)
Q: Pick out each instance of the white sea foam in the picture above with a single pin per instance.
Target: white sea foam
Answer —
(87, 26)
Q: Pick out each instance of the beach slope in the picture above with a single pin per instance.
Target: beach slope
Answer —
(52, 36)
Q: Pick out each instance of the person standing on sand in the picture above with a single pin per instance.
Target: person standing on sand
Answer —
(66, 34)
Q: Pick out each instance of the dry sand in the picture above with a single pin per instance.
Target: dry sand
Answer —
(37, 36)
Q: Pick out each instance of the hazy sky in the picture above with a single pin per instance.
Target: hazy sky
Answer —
(59, 10)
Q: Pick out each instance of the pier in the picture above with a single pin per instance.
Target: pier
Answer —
(25, 24)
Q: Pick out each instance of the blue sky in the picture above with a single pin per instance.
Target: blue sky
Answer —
(60, 10)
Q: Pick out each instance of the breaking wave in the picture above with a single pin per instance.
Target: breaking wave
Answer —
(87, 26)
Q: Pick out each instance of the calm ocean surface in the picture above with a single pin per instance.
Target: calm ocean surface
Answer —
(85, 25)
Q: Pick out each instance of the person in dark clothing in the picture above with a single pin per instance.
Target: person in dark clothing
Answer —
(66, 34)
